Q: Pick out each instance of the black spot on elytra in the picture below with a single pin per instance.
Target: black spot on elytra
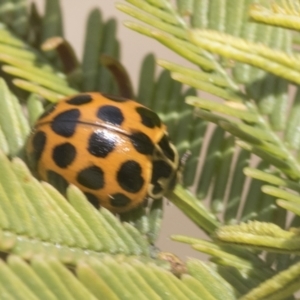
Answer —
(38, 143)
(119, 200)
(80, 99)
(91, 177)
(142, 143)
(101, 144)
(110, 114)
(149, 118)
(63, 155)
(93, 200)
(64, 124)
(164, 143)
(129, 176)
(57, 180)
(115, 98)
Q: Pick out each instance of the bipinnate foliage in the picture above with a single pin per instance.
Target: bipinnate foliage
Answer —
(245, 139)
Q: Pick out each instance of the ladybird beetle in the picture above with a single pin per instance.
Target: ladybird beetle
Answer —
(115, 150)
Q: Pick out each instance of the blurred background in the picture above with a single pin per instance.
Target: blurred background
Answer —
(134, 48)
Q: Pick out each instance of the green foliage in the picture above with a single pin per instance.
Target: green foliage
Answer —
(251, 67)
(245, 139)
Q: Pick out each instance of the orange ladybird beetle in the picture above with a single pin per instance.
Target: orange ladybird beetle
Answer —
(115, 150)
